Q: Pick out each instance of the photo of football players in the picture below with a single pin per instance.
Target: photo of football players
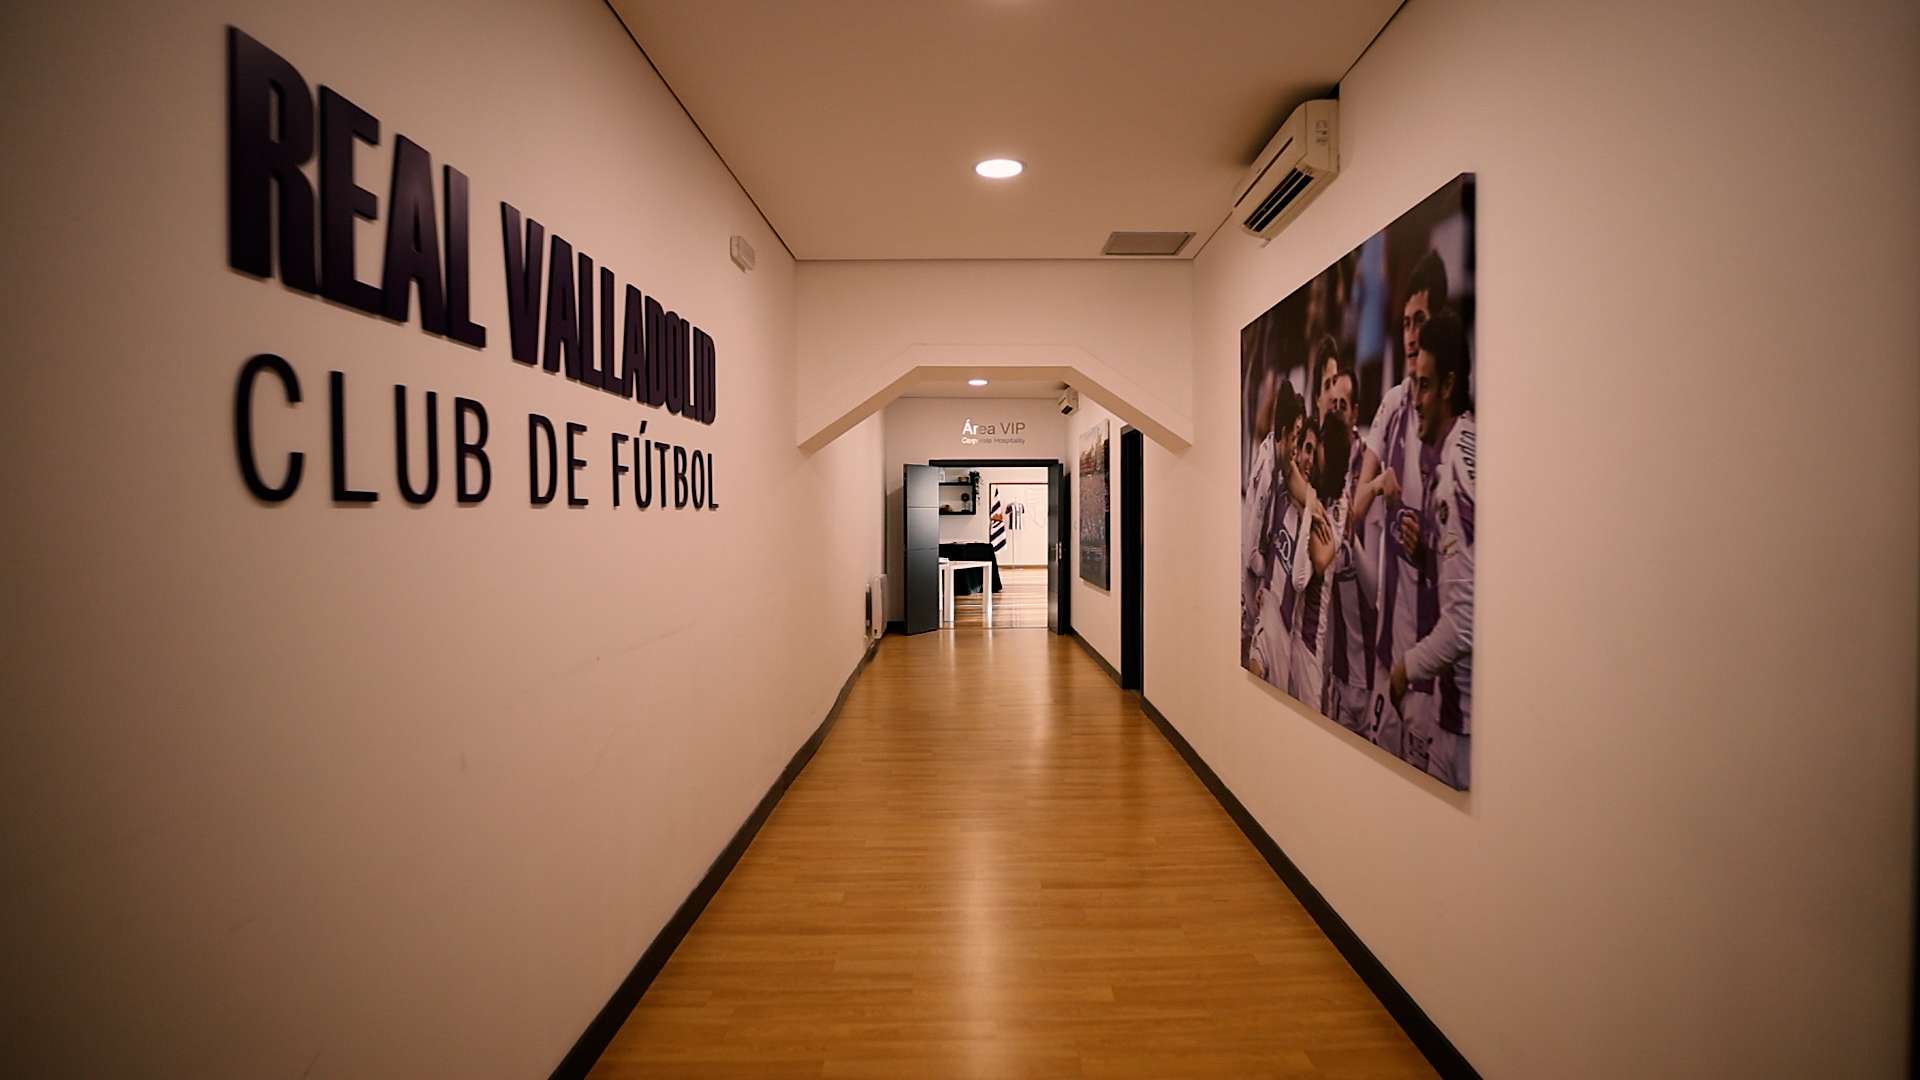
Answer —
(1442, 658)
(1357, 494)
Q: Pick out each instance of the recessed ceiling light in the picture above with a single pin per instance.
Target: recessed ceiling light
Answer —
(998, 168)
(976, 382)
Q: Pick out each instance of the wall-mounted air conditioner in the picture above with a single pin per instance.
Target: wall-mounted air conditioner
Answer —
(1300, 159)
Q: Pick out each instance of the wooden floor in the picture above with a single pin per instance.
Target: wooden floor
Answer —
(1020, 603)
(996, 867)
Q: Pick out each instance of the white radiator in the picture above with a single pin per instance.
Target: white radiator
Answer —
(876, 607)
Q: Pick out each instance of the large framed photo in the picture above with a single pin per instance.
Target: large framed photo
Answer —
(1095, 506)
(1357, 464)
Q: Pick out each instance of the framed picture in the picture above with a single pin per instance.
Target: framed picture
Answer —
(1096, 502)
(1357, 481)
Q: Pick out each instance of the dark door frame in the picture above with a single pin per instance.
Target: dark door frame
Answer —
(1059, 581)
(993, 462)
(1133, 612)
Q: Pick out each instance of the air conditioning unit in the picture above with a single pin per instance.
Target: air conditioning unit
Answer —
(1300, 159)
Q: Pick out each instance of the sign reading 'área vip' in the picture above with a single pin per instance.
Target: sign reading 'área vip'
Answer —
(1004, 432)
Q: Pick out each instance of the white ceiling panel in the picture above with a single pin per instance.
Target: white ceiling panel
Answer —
(855, 124)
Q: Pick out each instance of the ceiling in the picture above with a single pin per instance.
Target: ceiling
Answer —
(855, 124)
(995, 388)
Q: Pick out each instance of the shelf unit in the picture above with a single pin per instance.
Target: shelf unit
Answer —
(960, 497)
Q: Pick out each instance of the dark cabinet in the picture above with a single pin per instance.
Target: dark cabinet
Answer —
(922, 568)
(923, 527)
(923, 485)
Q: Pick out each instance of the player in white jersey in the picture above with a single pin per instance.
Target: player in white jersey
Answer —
(1323, 458)
(1323, 361)
(1335, 398)
(1399, 726)
(1350, 586)
(1443, 655)
(1350, 635)
(1255, 490)
(1426, 293)
(1266, 540)
(1289, 570)
(1391, 501)
(1253, 560)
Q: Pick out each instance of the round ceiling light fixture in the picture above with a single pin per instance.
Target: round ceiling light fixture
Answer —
(999, 168)
(976, 382)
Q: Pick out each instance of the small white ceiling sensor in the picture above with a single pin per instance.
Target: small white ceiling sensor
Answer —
(976, 382)
(999, 168)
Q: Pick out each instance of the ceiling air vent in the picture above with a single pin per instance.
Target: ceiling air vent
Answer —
(1146, 243)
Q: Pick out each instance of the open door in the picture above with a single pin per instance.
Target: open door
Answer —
(1133, 664)
(921, 494)
(1059, 572)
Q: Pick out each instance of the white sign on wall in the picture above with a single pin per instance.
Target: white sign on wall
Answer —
(1004, 433)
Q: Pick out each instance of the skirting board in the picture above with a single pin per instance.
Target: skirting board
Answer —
(1427, 1037)
(594, 1041)
(1097, 658)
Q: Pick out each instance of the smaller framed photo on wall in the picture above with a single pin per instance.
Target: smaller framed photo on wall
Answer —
(1096, 501)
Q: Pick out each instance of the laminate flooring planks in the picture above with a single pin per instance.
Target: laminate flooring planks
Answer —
(995, 866)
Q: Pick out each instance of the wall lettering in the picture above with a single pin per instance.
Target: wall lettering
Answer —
(636, 348)
(475, 449)
(243, 428)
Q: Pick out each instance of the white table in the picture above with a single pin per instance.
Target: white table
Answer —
(947, 568)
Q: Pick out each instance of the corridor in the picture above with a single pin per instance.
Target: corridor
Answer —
(995, 866)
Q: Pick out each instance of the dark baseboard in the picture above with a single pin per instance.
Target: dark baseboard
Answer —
(593, 1041)
(1097, 658)
(1426, 1036)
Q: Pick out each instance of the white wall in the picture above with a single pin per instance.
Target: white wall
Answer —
(1125, 325)
(389, 791)
(1689, 845)
(919, 430)
(1096, 611)
(972, 528)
